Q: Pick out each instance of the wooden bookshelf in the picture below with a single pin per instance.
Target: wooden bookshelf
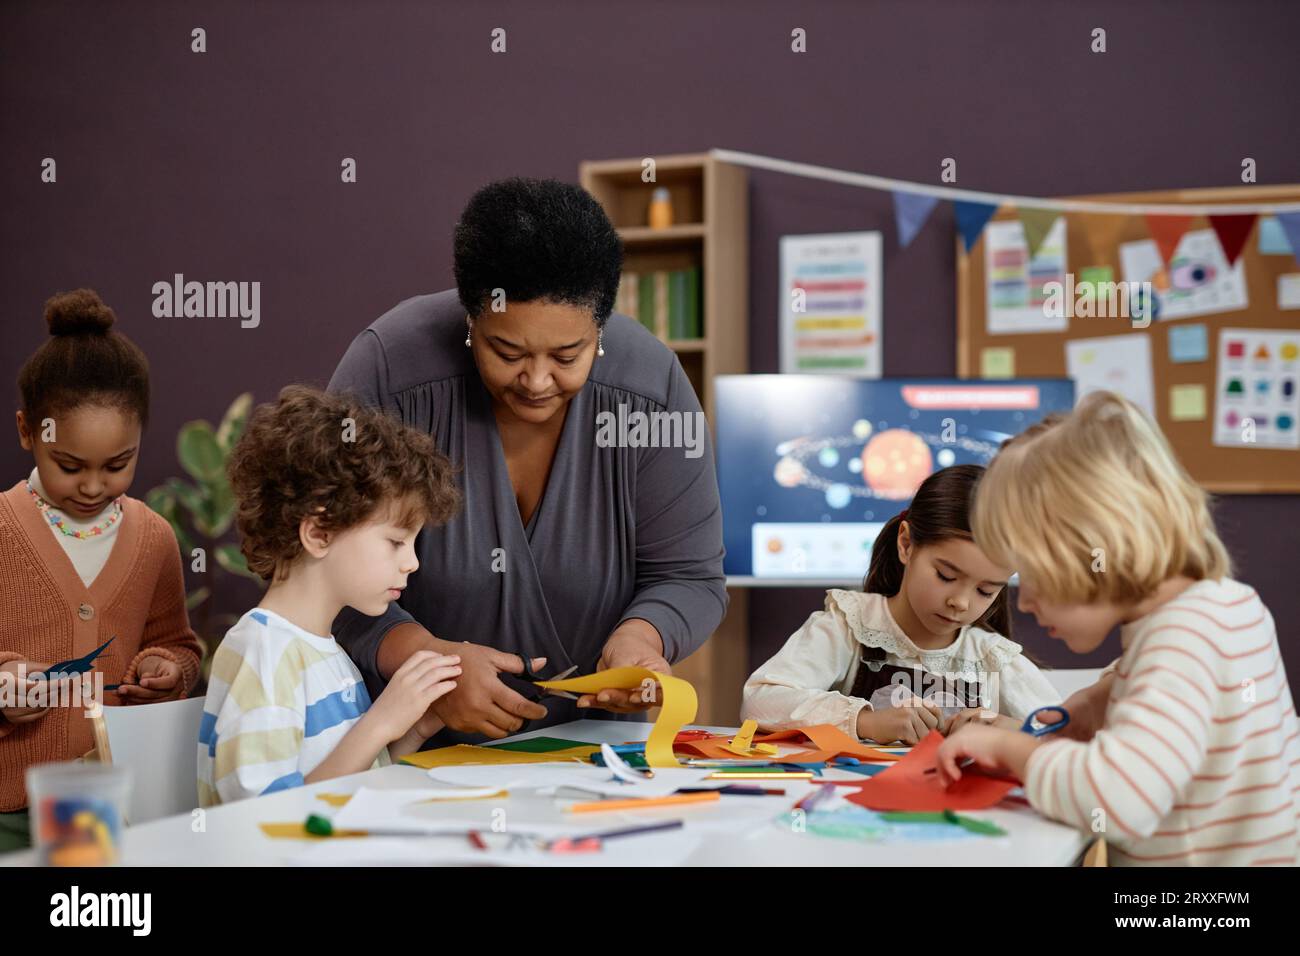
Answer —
(710, 202)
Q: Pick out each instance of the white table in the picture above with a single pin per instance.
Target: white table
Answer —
(231, 837)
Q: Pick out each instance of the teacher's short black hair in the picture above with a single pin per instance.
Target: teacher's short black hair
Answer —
(537, 239)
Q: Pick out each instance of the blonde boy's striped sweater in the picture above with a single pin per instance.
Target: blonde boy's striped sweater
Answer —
(1199, 759)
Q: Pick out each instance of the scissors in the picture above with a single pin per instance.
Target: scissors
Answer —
(529, 677)
(535, 679)
(73, 667)
(1031, 726)
(1037, 728)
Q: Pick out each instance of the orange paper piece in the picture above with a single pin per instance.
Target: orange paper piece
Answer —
(907, 786)
(672, 800)
(831, 740)
(712, 748)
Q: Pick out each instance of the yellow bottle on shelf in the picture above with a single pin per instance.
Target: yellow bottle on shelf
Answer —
(661, 209)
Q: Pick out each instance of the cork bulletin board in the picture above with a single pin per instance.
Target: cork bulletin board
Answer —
(1185, 388)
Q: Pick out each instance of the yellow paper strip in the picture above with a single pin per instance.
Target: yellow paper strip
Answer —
(467, 755)
(679, 704)
(296, 831)
(743, 742)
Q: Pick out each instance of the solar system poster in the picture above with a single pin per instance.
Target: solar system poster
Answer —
(811, 466)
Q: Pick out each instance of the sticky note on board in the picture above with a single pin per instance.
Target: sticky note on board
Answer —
(1272, 237)
(1288, 291)
(998, 362)
(1091, 275)
(1187, 403)
(678, 710)
(1189, 343)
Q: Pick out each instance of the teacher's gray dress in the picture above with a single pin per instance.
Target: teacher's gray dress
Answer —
(619, 533)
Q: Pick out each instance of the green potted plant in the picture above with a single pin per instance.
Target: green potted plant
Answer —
(201, 512)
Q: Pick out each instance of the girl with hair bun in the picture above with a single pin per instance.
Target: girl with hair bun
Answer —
(922, 647)
(81, 564)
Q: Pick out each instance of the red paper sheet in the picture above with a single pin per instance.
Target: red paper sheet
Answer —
(906, 785)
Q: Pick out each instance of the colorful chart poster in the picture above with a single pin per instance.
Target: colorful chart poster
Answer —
(1256, 404)
(1014, 283)
(831, 304)
(1198, 281)
(1115, 363)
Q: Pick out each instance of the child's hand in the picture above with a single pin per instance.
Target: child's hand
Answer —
(906, 724)
(11, 687)
(977, 715)
(422, 679)
(987, 746)
(427, 726)
(1087, 708)
(157, 679)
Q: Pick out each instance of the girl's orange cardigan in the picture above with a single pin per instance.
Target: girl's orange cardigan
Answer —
(47, 614)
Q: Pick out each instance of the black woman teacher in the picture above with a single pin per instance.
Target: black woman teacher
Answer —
(587, 537)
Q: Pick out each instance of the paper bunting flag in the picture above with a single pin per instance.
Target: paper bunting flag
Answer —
(1036, 223)
(910, 213)
(1290, 222)
(1232, 232)
(971, 219)
(1103, 231)
(1166, 231)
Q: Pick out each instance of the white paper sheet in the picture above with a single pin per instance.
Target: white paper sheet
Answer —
(655, 849)
(1014, 283)
(831, 304)
(1198, 281)
(407, 809)
(592, 779)
(1257, 389)
(1116, 363)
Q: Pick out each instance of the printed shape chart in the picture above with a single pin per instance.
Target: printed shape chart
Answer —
(1258, 378)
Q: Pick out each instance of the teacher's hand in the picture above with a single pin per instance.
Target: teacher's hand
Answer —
(634, 643)
(480, 702)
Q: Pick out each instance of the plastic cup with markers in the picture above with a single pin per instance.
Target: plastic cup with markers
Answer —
(76, 812)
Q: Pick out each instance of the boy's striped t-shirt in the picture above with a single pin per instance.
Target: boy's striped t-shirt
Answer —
(1198, 761)
(280, 699)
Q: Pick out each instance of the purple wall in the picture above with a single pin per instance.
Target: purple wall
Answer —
(225, 165)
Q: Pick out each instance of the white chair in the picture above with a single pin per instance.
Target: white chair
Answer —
(1068, 681)
(159, 743)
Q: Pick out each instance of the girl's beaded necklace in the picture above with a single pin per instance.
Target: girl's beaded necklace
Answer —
(57, 522)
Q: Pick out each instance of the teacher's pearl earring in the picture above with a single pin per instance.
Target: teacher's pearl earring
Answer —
(469, 331)
(600, 343)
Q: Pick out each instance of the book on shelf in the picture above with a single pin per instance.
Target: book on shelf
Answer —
(668, 303)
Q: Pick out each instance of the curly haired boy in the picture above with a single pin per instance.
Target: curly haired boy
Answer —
(331, 495)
